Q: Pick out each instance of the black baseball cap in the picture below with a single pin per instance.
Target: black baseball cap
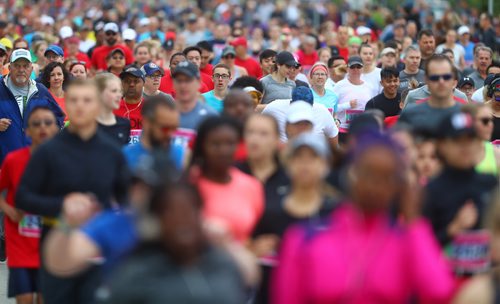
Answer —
(186, 68)
(132, 70)
(464, 81)
(455, 125)
(286, 58)
(354, 60)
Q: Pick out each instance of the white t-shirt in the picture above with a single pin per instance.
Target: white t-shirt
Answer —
(346, 91)
(458, 51)
(373, 78)
(477, 96)
(323, 119)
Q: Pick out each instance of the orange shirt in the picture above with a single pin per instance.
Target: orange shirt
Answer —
(237, 205)
(62, 105)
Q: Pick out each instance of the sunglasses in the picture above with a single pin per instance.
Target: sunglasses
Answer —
(3, 54)
(38, 123)
(357, 67)
(110, 33)
(436, 78)
(229, 57)
(486, 120)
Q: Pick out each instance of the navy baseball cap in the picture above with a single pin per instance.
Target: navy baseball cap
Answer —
(465, 81)
(456, 125)
(187, 68)
(150, 68)
(302, 93)
(132, 70)
(54, 49)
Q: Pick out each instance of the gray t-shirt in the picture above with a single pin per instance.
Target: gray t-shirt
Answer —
(423, 93)
(425, 118)
(274, 90)
(163, 94)
(192, 119)
(20, 94)
(404, 78)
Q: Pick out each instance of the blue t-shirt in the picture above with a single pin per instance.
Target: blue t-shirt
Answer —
(330, 100)
(133, 154)
(212, 101)
(147, 35)
(192, 119)
(114, 232)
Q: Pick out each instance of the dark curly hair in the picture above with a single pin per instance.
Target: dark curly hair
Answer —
(45, 77)
(247, 81)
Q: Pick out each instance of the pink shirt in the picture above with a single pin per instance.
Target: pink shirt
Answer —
(362, 259)
(238, 204)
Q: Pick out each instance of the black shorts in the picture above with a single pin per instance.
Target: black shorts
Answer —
(22, 281)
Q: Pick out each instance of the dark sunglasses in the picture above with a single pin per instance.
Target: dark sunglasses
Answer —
(110, 33)
(3, 54)
(358, 67)
(229, 57)
(445, 77)
(38, 123)
(486, 120)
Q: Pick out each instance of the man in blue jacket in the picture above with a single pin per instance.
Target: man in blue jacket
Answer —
(18, 96)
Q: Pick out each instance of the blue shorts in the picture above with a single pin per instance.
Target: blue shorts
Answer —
(22, 281)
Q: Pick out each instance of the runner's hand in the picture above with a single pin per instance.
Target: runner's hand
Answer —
(13, 214)
(4, 124)
(466, 218)
(78, 208)
(353, 103)
(265, 244)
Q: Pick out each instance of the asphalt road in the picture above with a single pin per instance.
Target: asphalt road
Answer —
(3, 285)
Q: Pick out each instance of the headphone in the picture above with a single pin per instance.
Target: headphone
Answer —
(492, 85)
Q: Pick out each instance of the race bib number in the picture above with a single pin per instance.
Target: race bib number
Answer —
(30, 226)
(351, 114)
(469, 252)
(135, 136)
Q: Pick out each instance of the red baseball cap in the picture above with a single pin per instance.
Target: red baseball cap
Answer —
(240, 41)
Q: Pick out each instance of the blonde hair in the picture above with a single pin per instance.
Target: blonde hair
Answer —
(102, 79)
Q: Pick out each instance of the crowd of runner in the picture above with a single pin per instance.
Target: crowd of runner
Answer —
(270, 152)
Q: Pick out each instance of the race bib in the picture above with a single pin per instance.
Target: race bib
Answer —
(351, 114)
(135, 136)
(469, 252)
(30, 226)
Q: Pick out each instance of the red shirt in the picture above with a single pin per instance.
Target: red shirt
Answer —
(207, 81)
(251, 65)
(101, 53)
(307, 60)
(132, 112)
(208, 69)
(344, 52)
(167, 83)
(22, 238)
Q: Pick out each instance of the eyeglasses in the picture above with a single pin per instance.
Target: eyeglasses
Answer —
(486, 120)
(221, 76)
(319, 74)
(46, 122)
(355, 67)
(110, 33)
(229, 57)
(436, 78)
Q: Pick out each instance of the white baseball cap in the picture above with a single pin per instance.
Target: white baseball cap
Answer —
(47, 20)
(129, 34)
(144, 21)
(363, 30)
(19, 54)
(464, 29)
(299, 111)
(111, 26)
(66, 32)
(388, 50)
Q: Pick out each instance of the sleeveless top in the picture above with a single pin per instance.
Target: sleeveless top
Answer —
(489, 164)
